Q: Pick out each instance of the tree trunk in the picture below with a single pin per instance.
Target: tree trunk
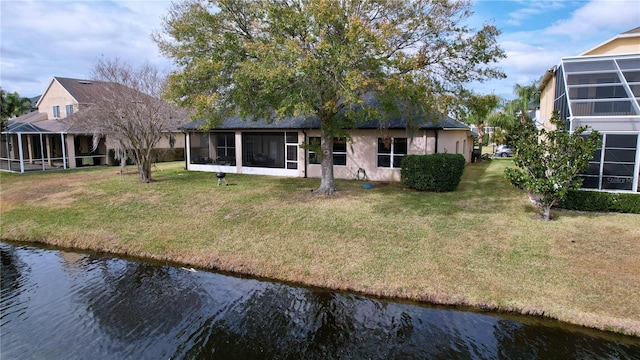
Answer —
(546, 212)
(480, 138)
(327, 182)
(144, 167)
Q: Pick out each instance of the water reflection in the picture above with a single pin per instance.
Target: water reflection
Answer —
(63, 305)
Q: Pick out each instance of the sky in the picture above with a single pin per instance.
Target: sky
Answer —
(40, 39)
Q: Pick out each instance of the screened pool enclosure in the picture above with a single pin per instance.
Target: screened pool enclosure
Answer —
(603, 92)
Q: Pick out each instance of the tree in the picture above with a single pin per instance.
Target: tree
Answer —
(324, 58)
(548, 161)
(477, 109)
(130, 112)
(12, 105)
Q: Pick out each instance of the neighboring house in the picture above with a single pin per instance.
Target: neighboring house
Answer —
(256, 147)
(43, 139)
(601, 89)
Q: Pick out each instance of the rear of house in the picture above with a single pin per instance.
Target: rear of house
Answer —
(373, 152)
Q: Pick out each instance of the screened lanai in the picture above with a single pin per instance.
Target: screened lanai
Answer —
(26, 147)
(603, 93)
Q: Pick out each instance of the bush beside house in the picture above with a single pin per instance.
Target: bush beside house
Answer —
(601, 201)
(436, 172)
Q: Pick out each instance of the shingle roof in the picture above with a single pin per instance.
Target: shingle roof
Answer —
(31, 117)
(84, 91)
(236, 123)
(22, 127)
(424, 122)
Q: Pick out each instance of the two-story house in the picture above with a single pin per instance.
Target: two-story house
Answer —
(44, 139)
(601, 89)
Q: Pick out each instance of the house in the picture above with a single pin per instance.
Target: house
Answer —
(600, 88)
(43, 139)
(375, 152)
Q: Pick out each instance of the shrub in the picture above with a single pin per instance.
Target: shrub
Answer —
(601, 201)
(112, 159)
(165, 154)
(626, 203)
(436, 172)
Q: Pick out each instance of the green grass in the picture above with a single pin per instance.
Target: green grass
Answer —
(476, 246)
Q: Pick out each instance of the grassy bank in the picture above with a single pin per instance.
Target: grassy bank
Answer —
(476, 246)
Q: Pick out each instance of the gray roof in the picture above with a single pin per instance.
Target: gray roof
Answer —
(236, 123)
(21, 127)
(31, 117)
(84, 91)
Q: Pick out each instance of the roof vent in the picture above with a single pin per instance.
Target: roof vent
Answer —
(84, 81)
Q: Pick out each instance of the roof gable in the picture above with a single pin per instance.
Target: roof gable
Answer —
(83, 91)
(632, 36)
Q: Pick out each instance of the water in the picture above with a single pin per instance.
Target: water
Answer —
(65, 305)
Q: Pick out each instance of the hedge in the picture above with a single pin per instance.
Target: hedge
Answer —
(601, 201)
(436, 172)
(160, 155)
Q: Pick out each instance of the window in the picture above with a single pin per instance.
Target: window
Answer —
(69, 109)
(291, 139)
(391, 151)
(339, 151)
(226, 148)
(56, 111)
(457, 147)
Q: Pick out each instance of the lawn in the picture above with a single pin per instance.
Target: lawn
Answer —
(477, 246)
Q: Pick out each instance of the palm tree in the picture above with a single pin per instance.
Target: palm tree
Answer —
(477, 110)
(528, 98)
(12, 105)
(16, 105)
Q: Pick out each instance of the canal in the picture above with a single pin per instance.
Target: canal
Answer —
(69, 305)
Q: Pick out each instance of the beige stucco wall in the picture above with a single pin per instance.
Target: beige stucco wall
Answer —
(164, 141)
(625, 45)
(547, 97)
(362, 154)
(56, 95)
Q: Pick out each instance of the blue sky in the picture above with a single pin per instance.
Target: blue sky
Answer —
(40, 39)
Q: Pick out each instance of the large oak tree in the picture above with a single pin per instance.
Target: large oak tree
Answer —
(273, 59)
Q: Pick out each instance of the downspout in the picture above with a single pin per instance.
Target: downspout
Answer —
(305, 154)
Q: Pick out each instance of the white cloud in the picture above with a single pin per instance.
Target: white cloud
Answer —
(42, 39)
(541, 44)
(532, 9)
(598, 17)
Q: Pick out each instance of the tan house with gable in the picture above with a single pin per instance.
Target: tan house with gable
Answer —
(600, 88)
(45, 139)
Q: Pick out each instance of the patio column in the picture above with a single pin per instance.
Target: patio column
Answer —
(239, 151)
(20, 152)
(48, 146)
(64, 151)
(42, 153)
(30, 148)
